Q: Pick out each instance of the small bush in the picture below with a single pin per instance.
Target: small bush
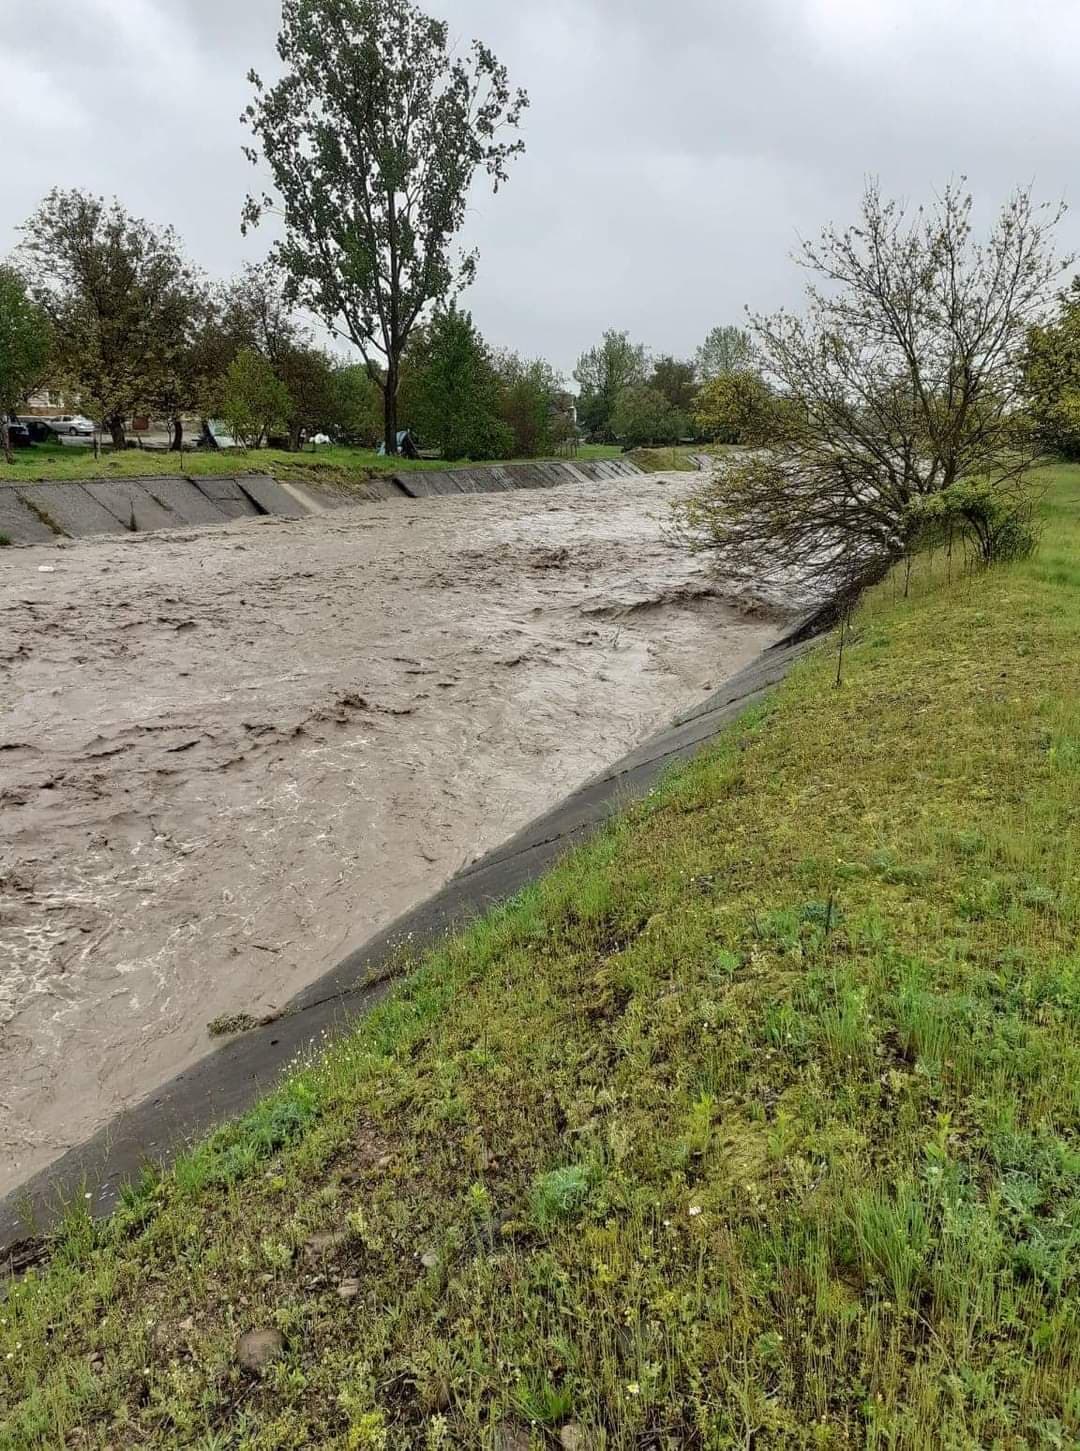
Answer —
(559, 1194)
(998, 524)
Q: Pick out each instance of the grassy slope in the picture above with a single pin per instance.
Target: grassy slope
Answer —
(756, 1123)
(333, 465)
(679, 459)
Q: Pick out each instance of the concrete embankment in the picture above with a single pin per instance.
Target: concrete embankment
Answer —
(36, 513)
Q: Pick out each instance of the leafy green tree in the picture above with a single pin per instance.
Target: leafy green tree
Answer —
(455, 392)
(255, 402)
(738, 407)
(643, 416)
(357, 413)
(602, 374)
(727, 349)
(528, 403)
(373, 137)
(1052, 376)
(901, 379)
(310, 378)
(25, 348)
(192, 365)
(258, 314)
(226, 328)
(119, 294)
(677, 380)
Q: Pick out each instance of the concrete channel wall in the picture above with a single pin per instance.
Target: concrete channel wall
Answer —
(494, 479)
(35, 513)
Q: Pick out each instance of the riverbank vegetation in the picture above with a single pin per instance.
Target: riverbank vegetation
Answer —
(334, 464)
(899, 398)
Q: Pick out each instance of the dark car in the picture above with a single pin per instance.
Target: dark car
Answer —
(19, 435)
(39, 429)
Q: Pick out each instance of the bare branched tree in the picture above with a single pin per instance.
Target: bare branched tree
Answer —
(903, 377)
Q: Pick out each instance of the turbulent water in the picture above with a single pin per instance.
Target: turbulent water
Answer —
(228, 756)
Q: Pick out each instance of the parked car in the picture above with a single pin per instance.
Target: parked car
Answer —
(72, 423)
(39, 429)
(18, 434)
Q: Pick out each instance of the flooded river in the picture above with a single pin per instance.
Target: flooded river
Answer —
(228, 756)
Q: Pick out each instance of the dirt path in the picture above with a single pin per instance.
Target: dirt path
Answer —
(228, 756)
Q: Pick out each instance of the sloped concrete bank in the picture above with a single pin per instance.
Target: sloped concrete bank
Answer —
(35, 513)
(494, 479)
(230, 1079)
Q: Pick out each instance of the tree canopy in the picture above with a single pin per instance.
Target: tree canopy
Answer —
(255, 402)
(454, 392)
(602, 373)
(677, 380)
(373, 137)
(528, 402)
(260, 316)
(727, 349)
(902, 378)
(738, 407)
(357, 413)
(643, 416)
(1052, 376)
(120, 296)
(25, 343)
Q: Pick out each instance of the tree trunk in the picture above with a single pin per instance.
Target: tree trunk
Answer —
(294, 438)
(177, 445)
(116, 428)
(390, 391)
(5, 430)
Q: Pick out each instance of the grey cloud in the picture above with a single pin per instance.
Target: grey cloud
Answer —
(675, 150)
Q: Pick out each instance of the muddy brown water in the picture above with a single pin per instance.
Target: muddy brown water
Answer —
(228, 756)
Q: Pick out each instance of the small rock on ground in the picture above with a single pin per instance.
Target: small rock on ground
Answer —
(258, 1349)
(512, 1438)
(571, 1438)
(322, 1244)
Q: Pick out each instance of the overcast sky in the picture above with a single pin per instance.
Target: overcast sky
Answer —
(676, 148)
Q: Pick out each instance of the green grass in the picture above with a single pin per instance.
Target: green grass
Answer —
(678, 459)
(336, 466)
(664, 460)
(755, 1123)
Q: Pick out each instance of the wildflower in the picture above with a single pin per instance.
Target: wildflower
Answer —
(633, 1388)
(695, 1210)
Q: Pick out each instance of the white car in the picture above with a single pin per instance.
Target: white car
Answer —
(72, 424)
